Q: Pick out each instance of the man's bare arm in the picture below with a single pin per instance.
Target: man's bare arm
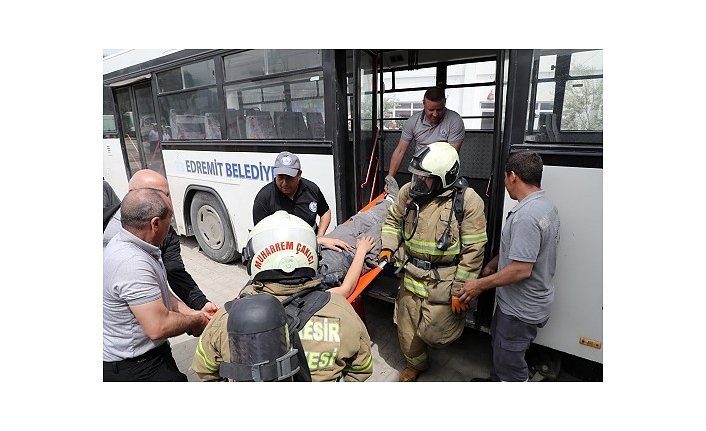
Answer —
(363, 246)
(158, 322)
(397, 156)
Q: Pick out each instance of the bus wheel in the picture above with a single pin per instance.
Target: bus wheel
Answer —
(212, 228)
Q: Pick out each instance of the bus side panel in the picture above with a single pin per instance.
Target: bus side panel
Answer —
(237, 177)
(114, 166)
(577, 312)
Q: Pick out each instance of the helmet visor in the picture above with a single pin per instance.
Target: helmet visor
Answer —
(423, 185)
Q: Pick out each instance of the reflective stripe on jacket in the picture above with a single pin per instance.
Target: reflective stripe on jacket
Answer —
(465, 244)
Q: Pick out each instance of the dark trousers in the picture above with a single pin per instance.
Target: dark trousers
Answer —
(511, 338)
(157, 365)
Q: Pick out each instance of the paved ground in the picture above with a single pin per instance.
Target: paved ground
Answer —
(466, 358)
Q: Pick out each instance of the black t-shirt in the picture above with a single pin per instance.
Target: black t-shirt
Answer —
(308, 202)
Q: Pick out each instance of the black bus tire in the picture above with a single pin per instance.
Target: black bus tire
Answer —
(212, 228)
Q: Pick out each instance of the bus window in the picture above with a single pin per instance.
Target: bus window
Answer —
(404, 79)
(185, 77)
(583, 97)
(190, 108)
(289, 99)
(128, 129)
(262, 62)
(469, 88)
(109, 129)
(367, 116)
(149, 129)
(186, 112)
(567, 97)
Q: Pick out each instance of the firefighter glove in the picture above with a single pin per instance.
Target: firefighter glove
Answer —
(458, 306)
(385, 254)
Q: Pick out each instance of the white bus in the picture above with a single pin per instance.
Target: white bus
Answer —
(213, 121)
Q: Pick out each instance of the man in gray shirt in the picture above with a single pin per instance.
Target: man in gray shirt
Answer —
(522, 271)
(139, 311)
(182, 283)
(435, 124)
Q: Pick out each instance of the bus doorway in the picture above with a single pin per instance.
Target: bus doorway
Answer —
(141, 136)
(473, 82)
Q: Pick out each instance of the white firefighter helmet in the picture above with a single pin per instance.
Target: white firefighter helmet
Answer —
(281, 247)
(438, 161)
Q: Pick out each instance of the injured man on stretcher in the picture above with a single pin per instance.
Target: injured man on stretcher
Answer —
(340, 270)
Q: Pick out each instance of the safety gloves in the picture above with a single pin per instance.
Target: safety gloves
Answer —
(458, 306)
(385, 254)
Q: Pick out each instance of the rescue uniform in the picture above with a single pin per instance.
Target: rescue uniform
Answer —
(422, 309)
(335, 340)
(308, 202)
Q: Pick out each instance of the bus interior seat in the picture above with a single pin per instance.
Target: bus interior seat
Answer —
(260, 126)
(173, 122)
(291, 125)
(232, 124)
(548, 127)
(147, 124)
(240, 119)
(212, 125)
(552, 129)
(240, 122)
(190, 126)
(315, 123)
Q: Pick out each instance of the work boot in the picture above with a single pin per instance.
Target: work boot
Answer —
(392, 187)
(409, 374)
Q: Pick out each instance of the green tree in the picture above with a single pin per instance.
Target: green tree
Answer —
(388, 104)
(583, 102)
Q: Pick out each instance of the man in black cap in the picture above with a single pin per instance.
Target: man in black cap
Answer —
(298, 196)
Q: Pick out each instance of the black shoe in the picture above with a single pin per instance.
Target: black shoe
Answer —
(478, 379)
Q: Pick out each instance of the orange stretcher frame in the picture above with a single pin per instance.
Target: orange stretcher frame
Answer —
(369, 276)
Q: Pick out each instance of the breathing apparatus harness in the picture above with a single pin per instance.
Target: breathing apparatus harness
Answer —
(258, 354)
(459, 189)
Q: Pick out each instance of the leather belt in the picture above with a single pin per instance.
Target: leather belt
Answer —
(118, 366)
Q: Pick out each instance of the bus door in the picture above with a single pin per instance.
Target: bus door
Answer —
(141, 134)
(114, 166)
(363, 133)
(562, 120)
(474, 82)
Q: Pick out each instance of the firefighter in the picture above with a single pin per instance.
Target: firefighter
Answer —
(281, 257)
(442, 249)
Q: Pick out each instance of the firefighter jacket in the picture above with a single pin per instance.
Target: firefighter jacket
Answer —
(430, 272)
(336, 342)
